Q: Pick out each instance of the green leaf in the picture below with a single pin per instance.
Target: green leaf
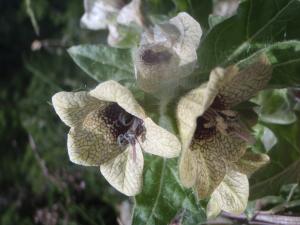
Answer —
(163, 196)
(157, 7)
(276, 106)
(257, 22)
(162, 10)
(129, 36)
(31, 15)
(213, 20)
(284, 156)
(102, 62)
(285, 60)
(200, 10)
(289, 175)
(265, 139)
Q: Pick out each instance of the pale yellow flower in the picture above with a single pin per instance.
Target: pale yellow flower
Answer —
(109, 129)
(225, 8)
(167, 52)
(100, 13)
(212, 134)
(113, 15)
(232, 194)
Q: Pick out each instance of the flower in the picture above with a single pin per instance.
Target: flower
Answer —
(225, 8)
(99, 13)
(108, 129)
(213, 137)
(115, 16)
(232, 194)
(167, 53)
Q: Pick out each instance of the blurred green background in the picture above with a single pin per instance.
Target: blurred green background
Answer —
(38, 183)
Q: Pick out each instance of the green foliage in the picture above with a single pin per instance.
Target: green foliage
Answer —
(103, 63)
(276, 107)
(37, 178)
(199, 9)
(277, 113)
(260, 27)
(33, 137)
(257, 22)
(32, 17)
(163, 196)
(287, 176)
(285, 60)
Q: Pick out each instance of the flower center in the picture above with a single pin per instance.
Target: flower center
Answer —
(218, 118)
(151, 57)
(206, 124)
(125, 127)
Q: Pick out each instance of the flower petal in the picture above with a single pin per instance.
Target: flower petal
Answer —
(167, 52)
(121, 36)
(187, 168)
(191, 33)
(131, 13)
(225, 8)
(213, 154)
(193, 105)
(230, 148)
(99, 13)
(211, 169)
(125, 171)
(72, 107)
(230, 196)
(250, 162)
(241, 85)
(155, 66)
(112, 91)
(159, 141)
(113, 36)
(93, 143)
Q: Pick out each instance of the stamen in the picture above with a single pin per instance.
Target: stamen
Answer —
(239, 130)
(229, 113)
(222, 125)
(122, 140)
(134, 153)
(113, 116)
(131, 135)
(125, 119)
(232, 126)
(125, 127)
(202, 130)
(246, 136)
(223, 120)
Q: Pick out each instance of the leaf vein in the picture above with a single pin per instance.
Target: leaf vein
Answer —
(159, 191)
